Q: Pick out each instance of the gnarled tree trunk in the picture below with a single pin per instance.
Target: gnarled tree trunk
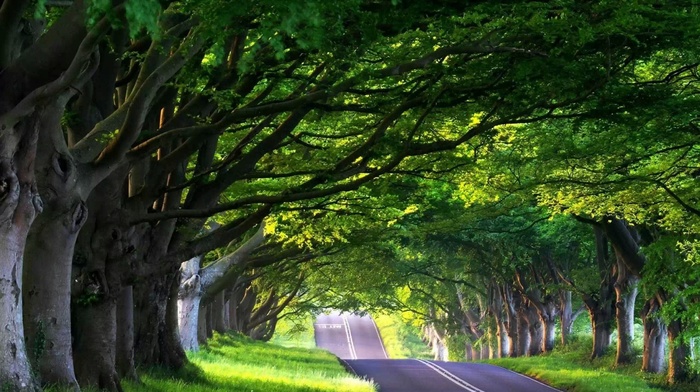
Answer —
(19, 204)
(49, 249)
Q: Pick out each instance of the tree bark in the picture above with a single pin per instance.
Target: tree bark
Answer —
(626, 294)
(95, 343)
(218, 314)
(510, 320)
(524, 337)
(536, 331)
(202, 325)
(189, 296)
(601, 324)
(49, 249)
(19, 205)
(503, 339)
(654, 354)
(565, 316)
(154, 334)
(678, 365)
(126, 367)
(550, 333)
(16, 214)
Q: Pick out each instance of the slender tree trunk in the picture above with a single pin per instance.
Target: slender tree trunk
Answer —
(654, 355)
(126, 367)
(626, 294)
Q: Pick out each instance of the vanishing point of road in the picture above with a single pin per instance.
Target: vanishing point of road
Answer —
(356, 341)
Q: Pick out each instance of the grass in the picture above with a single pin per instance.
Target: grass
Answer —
(234, 363)
(298, 333)
(401, 340)
(571, 369)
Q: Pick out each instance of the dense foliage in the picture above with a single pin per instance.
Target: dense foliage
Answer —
(176, 167)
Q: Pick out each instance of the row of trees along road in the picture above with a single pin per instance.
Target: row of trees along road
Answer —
(138, 135)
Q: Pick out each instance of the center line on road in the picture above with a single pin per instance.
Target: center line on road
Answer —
(456, 380)
(348, 334)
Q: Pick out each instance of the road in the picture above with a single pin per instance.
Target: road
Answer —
(356, 341)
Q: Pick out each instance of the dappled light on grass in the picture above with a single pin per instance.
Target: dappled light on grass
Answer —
(234, 363)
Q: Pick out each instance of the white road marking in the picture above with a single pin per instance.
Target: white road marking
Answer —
(456, 380)
(348, 334)
(381, 342)
(329, 326)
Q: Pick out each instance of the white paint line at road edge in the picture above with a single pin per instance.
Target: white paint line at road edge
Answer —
(348, 334)
(381, 342)
(532, 379)
(443, 372)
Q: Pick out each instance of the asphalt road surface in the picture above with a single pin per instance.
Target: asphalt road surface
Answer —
(356, 341)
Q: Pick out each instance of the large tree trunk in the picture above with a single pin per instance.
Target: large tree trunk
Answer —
(678, 365)
(536, 331)
(202, 325)
(189, 297)
(524, 337)
(106, 248)
(49, 249)
(16, 214)
(19, 204)
(503, 339)
(626, 294)
(654, 355)
(601, 323)
(510, 320)
(126, 367)
(468, 354)
(219, 315)
(156, 339)
(565, 316)
(550, 332)
(95, 343)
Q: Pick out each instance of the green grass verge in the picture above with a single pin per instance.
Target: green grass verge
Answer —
(234, 363)
(401, 340)
(238, 364)
(570, 369)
